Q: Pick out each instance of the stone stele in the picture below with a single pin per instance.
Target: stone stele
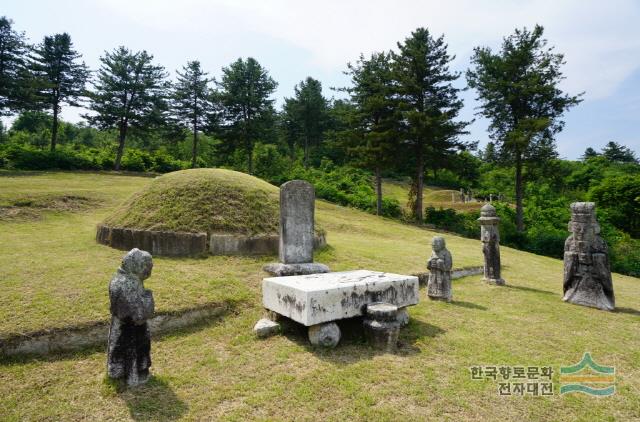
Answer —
(297, 203)
(439, 266)
(129, 348)
(318, 298)
(587, 277)
(490, 237)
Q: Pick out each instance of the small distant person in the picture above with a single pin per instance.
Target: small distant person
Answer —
(129, 350)
(439, 265)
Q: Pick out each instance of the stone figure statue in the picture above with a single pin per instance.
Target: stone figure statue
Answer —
(129, 350)
(439, 265)
(587, 277)
(490, 237)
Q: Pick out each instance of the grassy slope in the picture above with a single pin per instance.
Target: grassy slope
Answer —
(432, 196)
(220, 369)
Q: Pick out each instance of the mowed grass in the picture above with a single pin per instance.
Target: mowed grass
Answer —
(55, 274)
(432, 196)
(220, 371)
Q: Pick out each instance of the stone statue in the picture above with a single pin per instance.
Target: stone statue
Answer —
(439, 265)
(132, 305)
(587, 277)
(490, 237)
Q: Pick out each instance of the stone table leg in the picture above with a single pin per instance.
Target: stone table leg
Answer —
(325, 335)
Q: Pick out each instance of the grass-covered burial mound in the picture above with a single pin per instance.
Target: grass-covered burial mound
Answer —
(192, 212)
(202, 200)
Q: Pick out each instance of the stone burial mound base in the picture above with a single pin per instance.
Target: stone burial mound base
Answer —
(198, 212)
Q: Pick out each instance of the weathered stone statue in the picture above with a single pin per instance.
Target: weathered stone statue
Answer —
(439, 266)
(132, 305)
(587, 277)
(490, 237)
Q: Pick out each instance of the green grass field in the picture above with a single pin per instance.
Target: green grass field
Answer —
(432, 196)
(54, 274)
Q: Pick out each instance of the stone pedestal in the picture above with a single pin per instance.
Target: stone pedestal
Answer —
(587, 276)
(490, 237)
(317, 298)
(381, 327)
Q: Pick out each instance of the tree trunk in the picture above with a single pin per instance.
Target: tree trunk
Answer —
(54, 127)
(519, 194)
(306, 151)
(419, 185)
(121, 139)
(378, 192)
(194, 150)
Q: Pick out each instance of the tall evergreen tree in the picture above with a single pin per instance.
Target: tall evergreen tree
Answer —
(429, 103)
(373, 138)
(129, 92)
(61, 77)
(617, 153)
(191, 103)
(589, 153)
(13, 51)
(519, 94)
(245, 91)
(307, 112)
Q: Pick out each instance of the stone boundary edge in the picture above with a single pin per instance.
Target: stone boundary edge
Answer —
(455, 274)
(166, 243)
(79, 337)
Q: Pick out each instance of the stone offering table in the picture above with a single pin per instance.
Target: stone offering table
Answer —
(317, 299)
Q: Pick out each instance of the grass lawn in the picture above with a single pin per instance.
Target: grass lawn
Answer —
(55, 274)
(432, 196)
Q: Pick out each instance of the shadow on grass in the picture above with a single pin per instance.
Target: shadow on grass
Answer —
(353, 346)
(529, 289)
(154, 401)
(468, 305)
(629, 311)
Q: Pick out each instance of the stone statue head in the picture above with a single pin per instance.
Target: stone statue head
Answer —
(583, 224)
(137, 262)
(438, 243)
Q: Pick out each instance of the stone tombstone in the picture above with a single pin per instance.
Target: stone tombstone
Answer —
(490, 237)
(297, 203)
(439, 266)
(129, 347)
(587, 276)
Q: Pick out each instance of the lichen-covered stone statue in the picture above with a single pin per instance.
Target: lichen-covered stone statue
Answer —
(129, 350)
(587, 277)
(439, 266)
(490, 237)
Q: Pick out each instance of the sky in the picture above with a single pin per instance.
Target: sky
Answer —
(294, 39)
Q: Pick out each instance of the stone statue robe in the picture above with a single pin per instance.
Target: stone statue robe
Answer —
(439, 284)
(587, 277)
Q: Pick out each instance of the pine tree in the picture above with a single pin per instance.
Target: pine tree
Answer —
(13, 51)
(519, 94)
(617, 153)
(589, 153)
(244, 93)
(307, 114)
(61, 77)
(129, 92)
(191, 103)
(429, 103)
(373, 139)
